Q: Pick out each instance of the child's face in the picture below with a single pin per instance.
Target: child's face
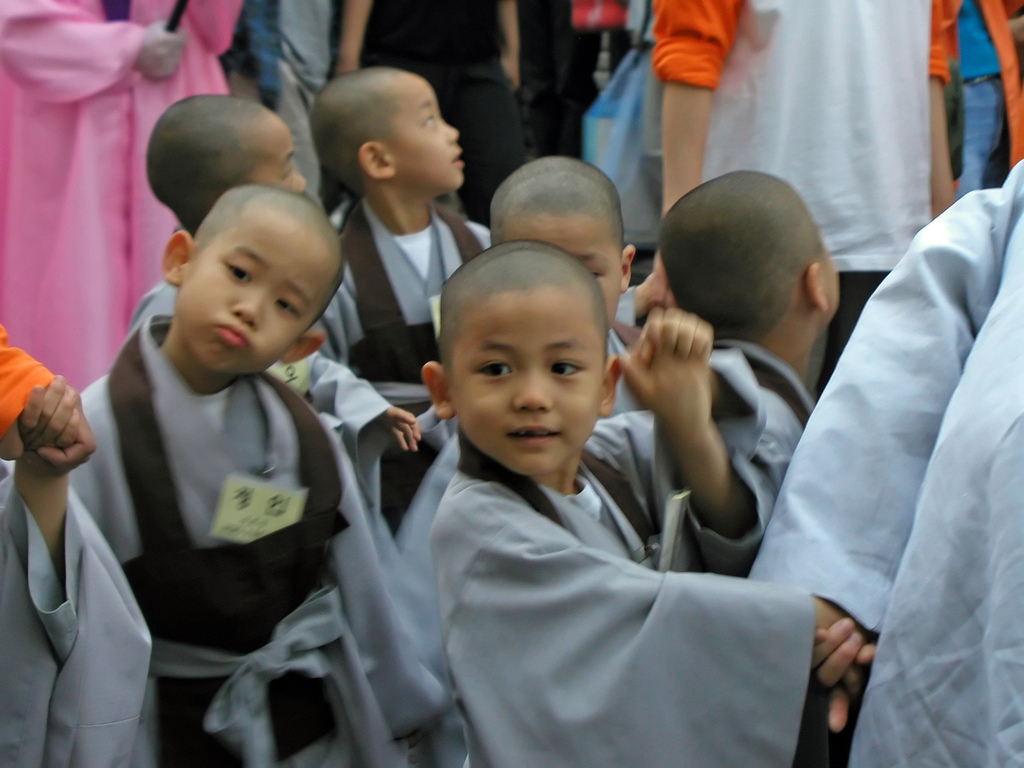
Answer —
(589, 239)
(423, 149)
(247, 299)
(270, 143)
(528, 378)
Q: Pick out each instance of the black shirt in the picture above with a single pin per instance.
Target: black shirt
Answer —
(436, 31)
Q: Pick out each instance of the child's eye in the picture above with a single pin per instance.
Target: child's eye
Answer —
(564, 368)
(287, 306)
(238, 273)
(430, 120)
(496, 369)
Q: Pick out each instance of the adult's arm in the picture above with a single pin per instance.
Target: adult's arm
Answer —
(354, 16)
(19, 373)
(61, 52)
(942, 192)
(508, 24)
(693, 38)
(848, 502)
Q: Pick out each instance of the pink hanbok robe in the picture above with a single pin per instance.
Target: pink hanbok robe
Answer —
(81, 234)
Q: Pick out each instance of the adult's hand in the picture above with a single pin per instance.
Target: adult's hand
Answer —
(161, 51)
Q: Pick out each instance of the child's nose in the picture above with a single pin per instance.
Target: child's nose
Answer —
(532, 395)
(246, 308)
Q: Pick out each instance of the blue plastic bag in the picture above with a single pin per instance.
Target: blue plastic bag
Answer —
(613, 140)
(611, 127)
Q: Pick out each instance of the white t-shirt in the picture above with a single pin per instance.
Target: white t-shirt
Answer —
(417, 248)
(832, 96)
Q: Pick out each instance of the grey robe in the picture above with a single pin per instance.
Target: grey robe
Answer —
(75, 654)
(367, 654)
(563, 651)
(782, 428)
(903, 500)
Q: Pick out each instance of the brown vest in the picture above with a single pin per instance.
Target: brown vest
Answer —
(229, 597)
(390, 350)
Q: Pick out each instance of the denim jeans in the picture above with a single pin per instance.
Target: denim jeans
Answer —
(986, 161)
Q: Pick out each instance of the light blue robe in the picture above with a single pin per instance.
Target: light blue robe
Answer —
(75, 655)
(903, 502)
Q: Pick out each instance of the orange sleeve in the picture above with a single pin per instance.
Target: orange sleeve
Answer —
(943, 45)
(18, 374)
(692, 39)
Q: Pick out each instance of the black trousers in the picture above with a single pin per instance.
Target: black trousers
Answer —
(556, 66)
(477, 100)
(855, 288)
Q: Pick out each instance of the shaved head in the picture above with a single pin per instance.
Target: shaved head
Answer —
(517, 266)
(734, 248)
(352, 109)
(556, 186)
(201, 147)
(238, 203)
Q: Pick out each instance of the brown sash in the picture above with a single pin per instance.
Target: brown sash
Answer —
(390, 350)
(774, 381)
(475, 463)
(228, 597)
(628, 334)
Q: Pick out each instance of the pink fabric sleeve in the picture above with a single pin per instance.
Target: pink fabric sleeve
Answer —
(62, 53)
(693, 38)
(214, 22)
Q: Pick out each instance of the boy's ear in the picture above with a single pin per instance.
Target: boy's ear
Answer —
(821, 287)
(612, 371)
(177, 254)
(375, 160)
(304, 346)
(440, 394)
(627, 266)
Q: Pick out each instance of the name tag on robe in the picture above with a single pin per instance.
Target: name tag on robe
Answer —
(295, 375)
(250, 509)
(435, 313)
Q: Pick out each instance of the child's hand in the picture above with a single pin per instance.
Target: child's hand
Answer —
(54, 434)
(668, 368)
(404, 427)
(840, 651)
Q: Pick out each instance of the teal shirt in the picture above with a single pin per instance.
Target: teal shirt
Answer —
(977, 54)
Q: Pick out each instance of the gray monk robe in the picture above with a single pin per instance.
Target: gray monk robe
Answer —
(73, 654)
(285, 647)
(565, 648)
(903, 503)
(380, 325)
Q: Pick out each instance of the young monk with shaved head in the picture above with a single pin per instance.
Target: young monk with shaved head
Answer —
(238, 521)
(200, 148)
(380, 132)
(565, 646)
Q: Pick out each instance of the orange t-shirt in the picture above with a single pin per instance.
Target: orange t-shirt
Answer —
(694, 37)
(18, 374)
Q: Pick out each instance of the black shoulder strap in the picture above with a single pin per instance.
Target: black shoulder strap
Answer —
(630, 334)
(467, 243)
(146, 468)
(622, 494)
(772, 380)
(376, 302)
(318, 470)
(475, 463)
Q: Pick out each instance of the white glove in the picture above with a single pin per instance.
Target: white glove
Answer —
(160, 52)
